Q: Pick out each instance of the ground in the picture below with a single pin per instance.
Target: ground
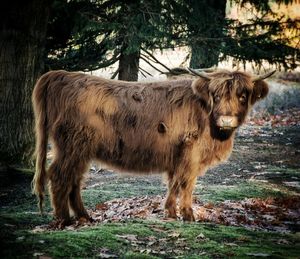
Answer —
(247, 207)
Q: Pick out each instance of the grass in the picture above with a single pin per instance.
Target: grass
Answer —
(122, 187)
(19, 217)
(218, 193)
(214, 241)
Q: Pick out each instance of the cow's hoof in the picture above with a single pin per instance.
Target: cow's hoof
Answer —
(85, 219)
(60, 223)
(187, 214)
(82, 216)
(171, 213)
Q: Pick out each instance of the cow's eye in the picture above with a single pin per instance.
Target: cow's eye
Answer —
(217, 98)
(242, 99)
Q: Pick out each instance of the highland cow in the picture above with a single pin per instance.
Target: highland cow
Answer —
(180, 128)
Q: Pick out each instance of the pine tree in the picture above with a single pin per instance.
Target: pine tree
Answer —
(97, 34)
(101, 33)
(267, 36)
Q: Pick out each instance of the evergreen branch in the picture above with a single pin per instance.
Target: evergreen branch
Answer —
(115, 73)
(149, 74)
(141, 57)
(155, 59)
(107, 62)
(142, 72)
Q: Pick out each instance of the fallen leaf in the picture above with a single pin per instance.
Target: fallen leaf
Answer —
(41, 228)
(230, 244)
(128, 237)
(9, 225)
(174, 235)
(37, 254)
(101, 206)
(283, 242)
(158, 229)
(200, 236)
(209, 205)
(105, 253)
(258, 254)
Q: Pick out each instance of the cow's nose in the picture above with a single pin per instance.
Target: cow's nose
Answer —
(227, 121)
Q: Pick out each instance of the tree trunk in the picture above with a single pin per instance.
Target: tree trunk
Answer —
(22, 33)
(129, 66)
(205, 51)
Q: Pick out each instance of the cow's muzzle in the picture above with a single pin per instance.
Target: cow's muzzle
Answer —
(227, 122)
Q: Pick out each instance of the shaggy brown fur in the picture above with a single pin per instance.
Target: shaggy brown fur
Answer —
(180, 127)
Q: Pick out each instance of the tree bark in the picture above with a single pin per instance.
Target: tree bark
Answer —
(129, 66)
(205, 51)
(22, 33)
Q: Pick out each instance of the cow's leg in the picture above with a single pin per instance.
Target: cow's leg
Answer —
(173, 190)
(75, 196)
(60, 188)
(186, 198)
(77, 204)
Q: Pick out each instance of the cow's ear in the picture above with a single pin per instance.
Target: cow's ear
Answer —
(201, 89)
(260, 91)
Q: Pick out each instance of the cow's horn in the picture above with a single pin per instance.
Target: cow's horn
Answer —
(201, 74)
(262, 77)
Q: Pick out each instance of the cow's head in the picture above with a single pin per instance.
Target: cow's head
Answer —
(229, 95)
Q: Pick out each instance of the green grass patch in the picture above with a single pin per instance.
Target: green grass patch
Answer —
(219, 193)
(121, 189)
(286, 171)
(152, 239)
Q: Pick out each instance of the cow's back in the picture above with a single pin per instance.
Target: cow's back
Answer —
(133, 126)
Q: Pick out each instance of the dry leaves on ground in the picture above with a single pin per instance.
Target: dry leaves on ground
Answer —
(273, 214)
(276, 214)
(288, 117)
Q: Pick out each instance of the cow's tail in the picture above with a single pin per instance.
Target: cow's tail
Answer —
(39, 100)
